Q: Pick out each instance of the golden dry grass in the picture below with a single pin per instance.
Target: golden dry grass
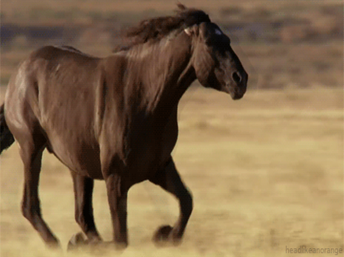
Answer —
(266, 173)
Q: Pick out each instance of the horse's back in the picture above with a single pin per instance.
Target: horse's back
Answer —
(56, 89)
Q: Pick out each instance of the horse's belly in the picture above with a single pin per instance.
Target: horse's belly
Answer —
(80, 158)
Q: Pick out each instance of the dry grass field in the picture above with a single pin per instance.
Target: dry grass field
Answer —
(266, 173)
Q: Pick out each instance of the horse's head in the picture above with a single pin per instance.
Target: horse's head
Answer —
(215, 63)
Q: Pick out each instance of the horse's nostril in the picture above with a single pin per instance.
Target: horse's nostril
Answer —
(236, 77)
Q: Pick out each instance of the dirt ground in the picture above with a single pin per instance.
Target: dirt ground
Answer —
(266, 173)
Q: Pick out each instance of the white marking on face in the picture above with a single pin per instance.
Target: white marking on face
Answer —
(218, 32)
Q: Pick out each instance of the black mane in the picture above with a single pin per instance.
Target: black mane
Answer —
(157, 28)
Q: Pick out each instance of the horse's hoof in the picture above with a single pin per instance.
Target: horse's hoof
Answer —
(164, 237)
(77, 241)
(162, 234)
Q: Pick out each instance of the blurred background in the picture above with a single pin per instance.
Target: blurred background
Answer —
(295, 42)
(266, 172)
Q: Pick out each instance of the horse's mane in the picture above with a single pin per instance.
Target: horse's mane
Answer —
(157, 28)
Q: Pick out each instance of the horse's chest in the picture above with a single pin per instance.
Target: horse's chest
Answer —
(154, 143)
(152, 146)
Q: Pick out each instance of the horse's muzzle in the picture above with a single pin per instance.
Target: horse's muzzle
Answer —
(237, 92)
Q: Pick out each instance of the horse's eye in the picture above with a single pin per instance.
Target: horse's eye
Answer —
(218, 32)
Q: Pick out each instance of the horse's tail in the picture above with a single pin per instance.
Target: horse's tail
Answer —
(6, 137)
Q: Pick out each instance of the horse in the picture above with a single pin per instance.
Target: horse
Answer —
(115, 118)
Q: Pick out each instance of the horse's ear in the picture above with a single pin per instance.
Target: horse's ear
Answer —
(193, 30)
(205, 31)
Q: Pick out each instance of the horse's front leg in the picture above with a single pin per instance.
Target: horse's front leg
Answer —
(169, 179)
(117, 197)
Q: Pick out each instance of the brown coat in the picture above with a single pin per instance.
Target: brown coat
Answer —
(115, 118)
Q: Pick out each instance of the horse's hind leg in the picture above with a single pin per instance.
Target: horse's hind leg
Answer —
(83, 189)
(31, 154)
(170, 180)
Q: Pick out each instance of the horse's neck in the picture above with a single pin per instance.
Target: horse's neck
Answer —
(165, 74)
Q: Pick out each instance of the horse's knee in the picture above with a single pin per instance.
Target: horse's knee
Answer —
(25, 211)
(29, 211)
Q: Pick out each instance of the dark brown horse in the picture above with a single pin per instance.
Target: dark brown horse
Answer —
(115, 118)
